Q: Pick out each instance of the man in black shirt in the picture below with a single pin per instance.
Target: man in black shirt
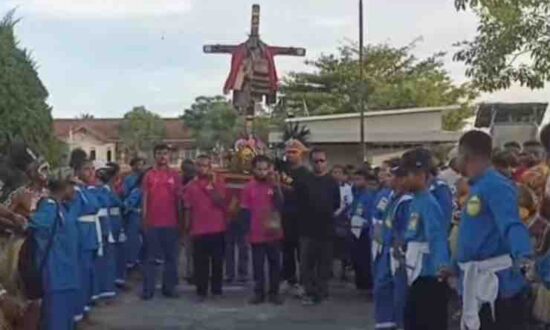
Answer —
(294, 173)
(318, 199)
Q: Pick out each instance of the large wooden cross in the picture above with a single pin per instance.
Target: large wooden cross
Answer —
(257, 80)
(254, 34)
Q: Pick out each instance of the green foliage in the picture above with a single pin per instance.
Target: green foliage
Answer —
(140, 130)
(23, 108)
(512, 43)
(216, 125)
(213, 121)
(394, 78)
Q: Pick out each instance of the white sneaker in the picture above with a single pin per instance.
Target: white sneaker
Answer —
(285, 287)
(299, 291)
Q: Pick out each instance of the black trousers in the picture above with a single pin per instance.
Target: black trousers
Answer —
(291, 259)
(315, 266)
(291, 248)
(208, 254)
(270, 252)
(361, 260)
(510, 314)
(426, 307)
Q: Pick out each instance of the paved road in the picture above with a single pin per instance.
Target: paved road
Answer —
(345, 310)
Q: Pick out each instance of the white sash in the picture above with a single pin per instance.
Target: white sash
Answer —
(413, 259)
(480, 286)
(94, 219)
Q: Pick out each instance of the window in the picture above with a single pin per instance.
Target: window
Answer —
(109, 155)
(92, 154)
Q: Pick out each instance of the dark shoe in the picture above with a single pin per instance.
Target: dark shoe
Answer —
(275, 299)
(146, 296)
(256, 300)
(171, 294)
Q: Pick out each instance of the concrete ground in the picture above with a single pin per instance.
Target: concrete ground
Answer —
(345, 310)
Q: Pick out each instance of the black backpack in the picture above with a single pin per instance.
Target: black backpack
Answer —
(30, 272)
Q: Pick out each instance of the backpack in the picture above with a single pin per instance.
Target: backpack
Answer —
(30, 272)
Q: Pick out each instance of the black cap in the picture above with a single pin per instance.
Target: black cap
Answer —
(399, 171)
(419, 159)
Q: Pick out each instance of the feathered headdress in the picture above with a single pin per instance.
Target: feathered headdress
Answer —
(295, 131)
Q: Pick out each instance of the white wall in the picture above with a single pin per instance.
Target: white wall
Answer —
(89, 143)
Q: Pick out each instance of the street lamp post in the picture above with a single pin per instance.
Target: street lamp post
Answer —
(361, 85)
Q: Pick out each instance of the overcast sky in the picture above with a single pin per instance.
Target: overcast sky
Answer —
(105, 56)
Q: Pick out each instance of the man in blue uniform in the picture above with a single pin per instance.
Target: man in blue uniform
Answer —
(85, 207)
(443, 194)
(427, 255)
(390, 279)
(56, 235)
(360, 245)
(131, 181)
(492, 241)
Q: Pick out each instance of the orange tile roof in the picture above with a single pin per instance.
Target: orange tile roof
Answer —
(107, 129)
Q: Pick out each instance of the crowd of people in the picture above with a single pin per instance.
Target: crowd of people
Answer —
(429, 242)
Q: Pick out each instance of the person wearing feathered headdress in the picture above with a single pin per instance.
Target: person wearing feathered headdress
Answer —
(293, 172)
(22, 181)
(86, 206)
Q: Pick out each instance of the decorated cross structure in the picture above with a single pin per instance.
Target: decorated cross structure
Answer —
(253, 74)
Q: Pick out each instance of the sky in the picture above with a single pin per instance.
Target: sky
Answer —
(104, 57)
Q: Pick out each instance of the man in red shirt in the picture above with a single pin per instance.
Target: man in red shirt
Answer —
(205, 217)
(261, 200)
(161, 214)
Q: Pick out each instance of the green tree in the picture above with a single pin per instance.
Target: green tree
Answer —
(512, 44)
(394, 78)
(140, 130)
(215, 124)
(23, 108)
(213, 121)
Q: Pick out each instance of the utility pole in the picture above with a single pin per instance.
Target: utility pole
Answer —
(361, 85)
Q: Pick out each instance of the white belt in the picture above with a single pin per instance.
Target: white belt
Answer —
(414, 258)
(94, 219)
(114, 211)
(480, 286)
(376, 249)
(102, 213)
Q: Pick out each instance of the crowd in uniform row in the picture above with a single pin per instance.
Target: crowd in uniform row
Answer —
(406, 229)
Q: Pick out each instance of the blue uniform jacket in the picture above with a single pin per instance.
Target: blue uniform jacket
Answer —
(426, 225)
(102, 195)
(132, 202)
(380, 205)
(86, 203)
(490, 227)
(115, 211)
(129, 183)
(397, 219)
(362, 205)
(444, 196)
(61, 267)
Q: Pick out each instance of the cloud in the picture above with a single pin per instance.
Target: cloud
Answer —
(83, 9)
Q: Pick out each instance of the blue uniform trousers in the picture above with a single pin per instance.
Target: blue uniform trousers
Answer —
(161, 243)
(133, 239)
(87, 278)
(383, 291)
(58, 310)
(400, 291)
(105, 270)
